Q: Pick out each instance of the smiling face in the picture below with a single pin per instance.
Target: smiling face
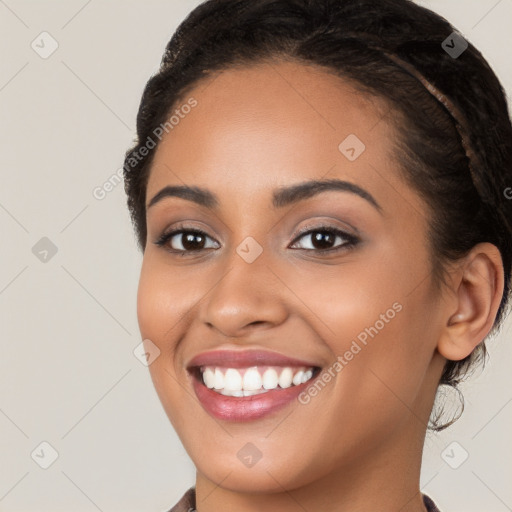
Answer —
(324, 274)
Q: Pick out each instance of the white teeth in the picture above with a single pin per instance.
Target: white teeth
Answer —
(234, 392)
(251, 381)
(297, 378)
(209, 378)
(270, 379)
(255, 392)
(307, 376)
(232, 380)
(285, 379)
(219, 379)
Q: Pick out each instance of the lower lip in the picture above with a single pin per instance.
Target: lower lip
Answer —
(248, 408)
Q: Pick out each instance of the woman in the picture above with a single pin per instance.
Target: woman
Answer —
(319, 191)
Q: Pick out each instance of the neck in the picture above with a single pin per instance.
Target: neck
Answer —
(387, 480)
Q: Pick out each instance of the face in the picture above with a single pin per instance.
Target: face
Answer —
(336, 277)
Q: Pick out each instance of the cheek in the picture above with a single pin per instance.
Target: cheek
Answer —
(373, 316)
(165, 297)
(161, 312)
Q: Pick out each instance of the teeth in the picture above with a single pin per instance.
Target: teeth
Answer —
(218, 383)
(297, 378)
(253, 380)
(209, 378)
(307, 376)
(255, 392)
(270, 379)
(240, 393)
(286, 377)
(232, 380)
(234, 392)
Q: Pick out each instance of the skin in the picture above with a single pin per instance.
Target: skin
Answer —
(356, 445)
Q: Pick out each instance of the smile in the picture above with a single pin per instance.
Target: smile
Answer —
(245, 385)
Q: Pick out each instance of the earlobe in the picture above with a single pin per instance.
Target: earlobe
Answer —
(478, 293)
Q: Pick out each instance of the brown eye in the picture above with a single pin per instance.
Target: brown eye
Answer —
(324, 238)
(191, 241)
(186, 241)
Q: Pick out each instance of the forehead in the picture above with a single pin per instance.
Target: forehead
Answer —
(272, 124)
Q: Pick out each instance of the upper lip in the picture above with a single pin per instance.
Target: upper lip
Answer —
(245, 358)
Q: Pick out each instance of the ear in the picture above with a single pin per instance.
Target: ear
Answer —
(478, 289)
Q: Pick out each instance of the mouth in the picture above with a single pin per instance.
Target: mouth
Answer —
(234, 389)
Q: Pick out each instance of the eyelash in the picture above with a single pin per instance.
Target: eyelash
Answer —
(351, 240)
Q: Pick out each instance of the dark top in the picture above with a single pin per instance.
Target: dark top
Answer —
(188, 503)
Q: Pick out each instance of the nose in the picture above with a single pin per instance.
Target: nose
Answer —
(246, 297)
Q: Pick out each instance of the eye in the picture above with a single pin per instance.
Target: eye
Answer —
(185, 240)
(323, 238)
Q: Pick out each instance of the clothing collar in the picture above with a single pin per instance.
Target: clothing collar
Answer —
(188, 503)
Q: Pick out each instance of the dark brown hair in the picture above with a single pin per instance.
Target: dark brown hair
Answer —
(455, 137)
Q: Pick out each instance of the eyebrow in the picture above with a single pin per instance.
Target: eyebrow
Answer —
(283, 196)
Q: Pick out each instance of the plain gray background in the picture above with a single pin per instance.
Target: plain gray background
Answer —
(68, 323)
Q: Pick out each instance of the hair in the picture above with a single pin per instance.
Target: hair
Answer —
(454, 135)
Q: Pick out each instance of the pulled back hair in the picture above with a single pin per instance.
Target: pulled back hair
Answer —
(454, 142)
